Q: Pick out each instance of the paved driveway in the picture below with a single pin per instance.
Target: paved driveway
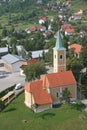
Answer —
(9, 79)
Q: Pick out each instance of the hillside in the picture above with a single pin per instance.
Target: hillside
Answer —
(79, 4)
(17, 116)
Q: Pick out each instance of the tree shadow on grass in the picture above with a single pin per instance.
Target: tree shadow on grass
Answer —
(47, 115)
(57, 105)
(10, 110)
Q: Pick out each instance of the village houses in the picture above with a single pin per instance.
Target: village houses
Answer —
(76, 48)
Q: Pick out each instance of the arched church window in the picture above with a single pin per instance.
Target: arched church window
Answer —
(61, 57)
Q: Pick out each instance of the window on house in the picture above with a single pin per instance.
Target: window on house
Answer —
(57, 94)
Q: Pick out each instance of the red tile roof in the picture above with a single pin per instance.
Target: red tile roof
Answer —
(76, 47)
(26, 63)
(67, 26)
(44, 18)
(47, 33)
(69, 1)
(77, 15)
(32, 60)
(37, 88)
(69, 30)
(54, 7)
(58, 79)
(40, 95)
(32, 29)
(39, 27)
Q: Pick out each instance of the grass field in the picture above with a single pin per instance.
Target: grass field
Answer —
(78, 4)
(62, 118)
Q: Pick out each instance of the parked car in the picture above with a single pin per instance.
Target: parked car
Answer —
(18, 86)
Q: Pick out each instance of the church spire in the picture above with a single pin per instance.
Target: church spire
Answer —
(59, 45)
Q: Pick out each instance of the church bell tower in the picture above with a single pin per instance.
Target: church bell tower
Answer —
(59, 55)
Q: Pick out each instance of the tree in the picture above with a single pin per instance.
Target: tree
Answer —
(23, 53)
(65, 41)
(82, 85)
(34, 70)
(49, 56)
(29, 55)
(75, 65)
(46, 24)
(66, 95)
(82, 91)
(55, 25)
(1, 105)
(83, 56)
(14, 49)
(4, 32)
(13, 41)
(43, 55)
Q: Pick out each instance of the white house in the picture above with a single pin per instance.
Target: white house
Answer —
(69, 31)
(42, 20)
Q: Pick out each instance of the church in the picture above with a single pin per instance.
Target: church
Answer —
(42, 94)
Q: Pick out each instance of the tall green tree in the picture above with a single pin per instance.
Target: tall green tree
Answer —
(83, 56)
(33, 71)
(1, 105)
(4, 32)
(14, 49)
(13, 41)
(75, 65)
(23, 53)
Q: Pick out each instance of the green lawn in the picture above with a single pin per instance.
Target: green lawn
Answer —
(62, 118)
(78, 4)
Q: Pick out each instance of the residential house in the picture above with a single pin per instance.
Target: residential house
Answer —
(42, 20)
(78, 15)
(65, 26)
(39, 2)
(68, 29)
(47, 34)
(42, 94)
(68, 2)
(76, 48)
(41, 28)
(31, 29)
(83, 33)
(54, 8)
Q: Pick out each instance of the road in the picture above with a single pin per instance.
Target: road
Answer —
(10, 79)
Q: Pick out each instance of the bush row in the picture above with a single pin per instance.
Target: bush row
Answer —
(4, 92)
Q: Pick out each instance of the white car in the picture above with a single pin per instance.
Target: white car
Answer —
(18, 86)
